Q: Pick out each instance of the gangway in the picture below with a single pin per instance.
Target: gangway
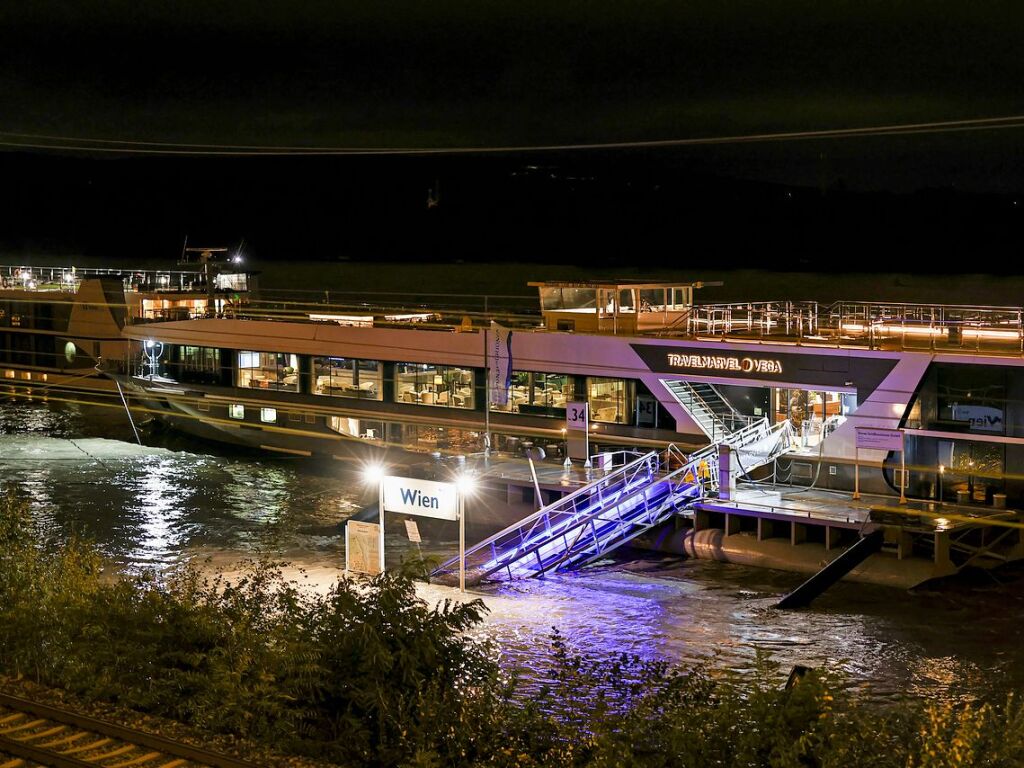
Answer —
(591, 521)
(609, 512)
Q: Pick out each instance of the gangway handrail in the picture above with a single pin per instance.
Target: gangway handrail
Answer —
(633, 494)
(566, 507)
(760, 427)
(571, 497)
(610, 511)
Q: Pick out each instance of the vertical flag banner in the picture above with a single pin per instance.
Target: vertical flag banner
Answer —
(500, 374)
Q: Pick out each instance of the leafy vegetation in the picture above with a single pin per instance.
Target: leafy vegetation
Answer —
(370, 675)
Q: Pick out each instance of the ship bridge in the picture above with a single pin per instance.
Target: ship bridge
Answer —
(627, 308)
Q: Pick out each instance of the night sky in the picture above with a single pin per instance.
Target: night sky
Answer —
(479, 74)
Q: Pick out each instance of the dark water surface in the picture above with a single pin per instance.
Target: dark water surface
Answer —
(175, 500)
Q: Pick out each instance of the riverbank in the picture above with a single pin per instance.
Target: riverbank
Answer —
(371, 674)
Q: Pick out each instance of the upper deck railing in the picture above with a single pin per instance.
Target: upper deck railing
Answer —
(438, 311)
(864, 325)
(68, 279)
(872, 325)
(958, 328)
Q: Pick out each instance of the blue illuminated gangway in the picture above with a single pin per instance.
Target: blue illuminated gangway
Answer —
(609, 512)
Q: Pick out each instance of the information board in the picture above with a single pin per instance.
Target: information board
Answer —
(362, 547)
(879, 439)
(412, 531)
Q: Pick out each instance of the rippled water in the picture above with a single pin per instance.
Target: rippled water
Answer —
(154, 505)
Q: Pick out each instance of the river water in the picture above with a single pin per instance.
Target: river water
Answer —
(176, 499)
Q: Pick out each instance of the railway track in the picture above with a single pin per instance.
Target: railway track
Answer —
(33, 734)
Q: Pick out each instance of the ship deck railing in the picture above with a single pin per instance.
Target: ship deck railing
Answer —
(449, 312)
(952, 328)
(67, 279)
(955, 328)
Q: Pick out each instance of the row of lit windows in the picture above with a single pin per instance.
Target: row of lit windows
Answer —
(267, 415)
(343, 425)
(530, 393)
(25, 375)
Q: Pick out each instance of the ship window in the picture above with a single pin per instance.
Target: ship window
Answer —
(438, 385)
(268, 370)
(343, 425)
(203, 406)
(234, 281)
(70, 350)
(368, 430)
(348, 377)
(268, 415)
(294, 416)
(610, 399)
(311, 418)
(567, 298)
(198, 365)
(538, 394)
(236, 411)
(423, 437)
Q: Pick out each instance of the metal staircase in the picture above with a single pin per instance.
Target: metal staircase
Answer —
(596, 519)
(712, 412)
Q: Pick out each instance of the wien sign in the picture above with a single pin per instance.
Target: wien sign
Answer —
(425, 498)
(725, 363)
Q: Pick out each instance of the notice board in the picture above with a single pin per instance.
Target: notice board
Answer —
(362, 547)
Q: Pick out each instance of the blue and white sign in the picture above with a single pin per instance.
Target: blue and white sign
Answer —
(425, 498)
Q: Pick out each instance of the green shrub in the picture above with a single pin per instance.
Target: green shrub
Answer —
(370, 675)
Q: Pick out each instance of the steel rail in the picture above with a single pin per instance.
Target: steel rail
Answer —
(85, 723)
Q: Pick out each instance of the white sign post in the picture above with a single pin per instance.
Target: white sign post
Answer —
(881, 439)
(424, 498)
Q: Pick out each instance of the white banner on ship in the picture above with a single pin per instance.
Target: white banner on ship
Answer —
(499, 353)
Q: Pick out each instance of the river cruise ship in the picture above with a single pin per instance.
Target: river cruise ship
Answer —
(650, 363)
(61, 327)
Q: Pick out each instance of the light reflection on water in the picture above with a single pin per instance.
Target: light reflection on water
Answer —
(151, 507)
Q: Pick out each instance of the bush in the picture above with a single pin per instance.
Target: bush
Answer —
(370, 675)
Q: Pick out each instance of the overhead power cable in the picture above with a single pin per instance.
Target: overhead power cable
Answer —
(15, 140)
